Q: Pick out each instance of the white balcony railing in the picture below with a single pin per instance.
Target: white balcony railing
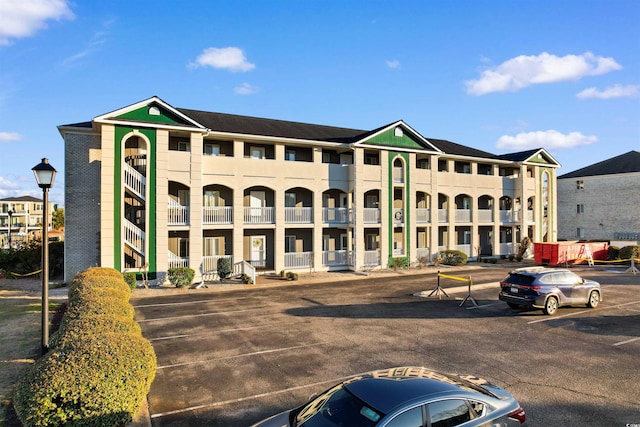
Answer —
(298, 215)
(178, 214)
(258, 215)
(423, 215)
(217, 215)
(464, 248)
(134, 181)
(529, 216)
(298, 260)
(336, 215)
(372, 258)
(443, 215)
(509, 216)
(485, 215)
(372, 215)
(463, 215)
(134, 236)
(175, 261)
(342, 257)
(210, 263)
(508, 248)
(423, 253)
(398, 175)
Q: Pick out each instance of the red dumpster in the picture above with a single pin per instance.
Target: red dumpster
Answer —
(573, 252)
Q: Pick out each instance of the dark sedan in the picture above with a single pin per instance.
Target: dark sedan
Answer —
(406, 397)
(548, 289)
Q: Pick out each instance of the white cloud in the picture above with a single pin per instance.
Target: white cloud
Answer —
(393, 64)
(10, 136)
(23, 18)
(522, 71)
(550, 139)
(246, 89)
(230, 58)
(93, 45)
(615, 91)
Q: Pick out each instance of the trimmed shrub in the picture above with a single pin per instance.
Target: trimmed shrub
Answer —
(94, 304)
(131, 279)
(72, 330)
(399, 263)
(613, 253)
(292, 276)
(98, 272)
(453, 257)
(100, 380)
(629, 252)
(224, 269)
(89, 284)
(181, 277)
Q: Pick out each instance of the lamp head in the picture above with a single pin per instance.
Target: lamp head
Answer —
(44, 173)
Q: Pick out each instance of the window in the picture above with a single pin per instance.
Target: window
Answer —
(290, 200)
(443, 165)
(410, 418)
(211, 199)
(579, 184)
(213, 246)
(371, 158)
(422, 163)
(290, 155)
(445, 413)
(183, 146)
(289, 244)
(256, 152)
(580, 208)
(211, 150)
(580, 233)
(330, 156)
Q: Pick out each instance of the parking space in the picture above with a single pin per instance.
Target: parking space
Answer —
(233, 357)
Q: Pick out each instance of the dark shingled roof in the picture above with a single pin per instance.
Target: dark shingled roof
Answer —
(624, 163)
(275, 128)
(518, 157)
(452, 148)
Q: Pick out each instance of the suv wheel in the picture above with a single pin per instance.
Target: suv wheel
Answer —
(550, 306)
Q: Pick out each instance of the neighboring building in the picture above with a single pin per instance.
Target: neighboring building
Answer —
(21, 219)
(601, 201)
(152, 186)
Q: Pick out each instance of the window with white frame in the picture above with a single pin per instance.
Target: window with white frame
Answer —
(211, 149)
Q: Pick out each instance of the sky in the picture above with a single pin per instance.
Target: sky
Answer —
(499, 76)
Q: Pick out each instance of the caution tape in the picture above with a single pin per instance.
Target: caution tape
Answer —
(33, 273)
(461, 279)
(616, 261)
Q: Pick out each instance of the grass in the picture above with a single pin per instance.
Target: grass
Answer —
(20, 332)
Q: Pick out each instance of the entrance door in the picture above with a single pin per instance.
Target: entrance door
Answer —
(258, 250)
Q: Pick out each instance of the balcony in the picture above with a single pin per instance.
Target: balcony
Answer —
(485, 216)
(372, 258)
(298, 215)
(509, 216)
(423, 215)
(298, 260)
(210, 263)
(255, 215)
(336, 215)
(334, 258)
(178, 214)
(175, 261)
(372, 215)
(463, 215)
(443, 215)
(217, 215)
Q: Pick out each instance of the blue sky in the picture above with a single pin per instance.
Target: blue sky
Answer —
(500, 76)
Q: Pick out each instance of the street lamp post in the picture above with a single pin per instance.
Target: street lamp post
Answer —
(45, 174)
(10, 212)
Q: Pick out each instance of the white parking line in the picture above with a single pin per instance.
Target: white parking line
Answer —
(627, 341)
(546, 319)
(163, 304)
(275, 350)
(255, 396)
(211, 332)
(217, 313)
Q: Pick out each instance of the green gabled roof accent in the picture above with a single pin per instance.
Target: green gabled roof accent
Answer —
(162, 115)
(406, 139)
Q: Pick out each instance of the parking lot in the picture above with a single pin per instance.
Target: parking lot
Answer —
(230, 357)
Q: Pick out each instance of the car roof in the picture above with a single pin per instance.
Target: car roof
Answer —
(535, 271)
(385, 389)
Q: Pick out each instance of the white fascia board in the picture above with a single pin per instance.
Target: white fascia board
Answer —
(274, 139)
(404, 125)
(151, 125)
(405, 150)
(153, 99)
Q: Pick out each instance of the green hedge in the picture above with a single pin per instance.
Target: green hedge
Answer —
(629, 252)
(100, 380)
(99, 367)
(181, 277)
(452, 257)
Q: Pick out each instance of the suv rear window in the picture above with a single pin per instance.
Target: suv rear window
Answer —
(519, 279)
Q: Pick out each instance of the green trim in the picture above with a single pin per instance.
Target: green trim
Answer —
(407, 211)
(389, 139)
(118, 185)
(142, 114)
(550, 200)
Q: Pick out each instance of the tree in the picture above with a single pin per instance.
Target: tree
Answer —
(57, 219)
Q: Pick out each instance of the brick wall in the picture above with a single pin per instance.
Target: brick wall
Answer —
(82, 203)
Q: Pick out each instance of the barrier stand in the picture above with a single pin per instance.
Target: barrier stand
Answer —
(469, 297)
(633, 268)
(438, 289)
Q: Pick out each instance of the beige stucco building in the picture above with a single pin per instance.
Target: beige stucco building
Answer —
(152, 186)
(21, 220)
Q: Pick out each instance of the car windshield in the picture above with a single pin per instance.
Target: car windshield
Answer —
(336, 407)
